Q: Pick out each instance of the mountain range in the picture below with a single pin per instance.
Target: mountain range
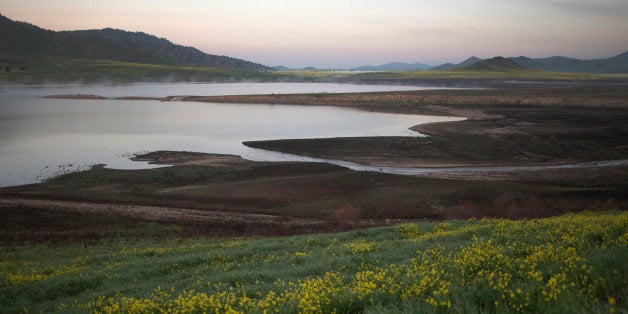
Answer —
(394, 66)
(450, 66)
(27, 46)
(616, 64)
(23, 39)
(496, 64)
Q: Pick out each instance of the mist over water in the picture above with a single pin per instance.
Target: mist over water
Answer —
(41, 138)
(193, 89)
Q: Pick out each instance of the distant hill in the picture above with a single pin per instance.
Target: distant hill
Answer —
(23, 39)
(497, 64)
(451, 66)
(616, 64)
(281, 68)
(394, 66)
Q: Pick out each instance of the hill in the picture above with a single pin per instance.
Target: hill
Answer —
(451, 66)
(616, 64)
(497, 64)
(19, 38)
(281, 68)
(572, 263)
(394, 66)
(613, 65)
(26, 40)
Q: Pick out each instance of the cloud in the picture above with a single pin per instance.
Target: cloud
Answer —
(349, 32)
(583, 8)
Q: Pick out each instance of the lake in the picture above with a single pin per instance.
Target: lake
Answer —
(195, 89)
(41, 138)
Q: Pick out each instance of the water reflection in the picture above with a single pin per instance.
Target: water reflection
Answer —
(195, 89)
(40, 138)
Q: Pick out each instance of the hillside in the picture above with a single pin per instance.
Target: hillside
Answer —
(451, 66)
(573, 263)
(281, 68)
(497, 64)
(19, 38)
(616, 64)
(26, 40)
(613, 65)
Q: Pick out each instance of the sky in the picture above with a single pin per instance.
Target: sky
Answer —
(345, 34)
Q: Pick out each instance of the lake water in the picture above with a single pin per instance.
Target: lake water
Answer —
(195, 89)
(41, 138)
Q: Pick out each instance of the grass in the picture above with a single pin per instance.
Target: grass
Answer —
(43, 69)
(431, 75)
(572, 263)
(32, 225)
(38, 69)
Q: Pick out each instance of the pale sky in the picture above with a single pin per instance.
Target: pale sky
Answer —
(342, 33)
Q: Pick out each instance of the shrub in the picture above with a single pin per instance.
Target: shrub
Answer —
(408, 230)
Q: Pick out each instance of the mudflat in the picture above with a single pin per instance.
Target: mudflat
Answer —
(188, 158)
(76, 96)
(261, 198)
(234, 197)
(503, 127)
(514, 126)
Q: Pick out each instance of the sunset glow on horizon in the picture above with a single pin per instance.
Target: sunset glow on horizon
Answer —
(344, 34)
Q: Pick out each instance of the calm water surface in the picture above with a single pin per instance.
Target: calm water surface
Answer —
(195, 89)
(41, 138)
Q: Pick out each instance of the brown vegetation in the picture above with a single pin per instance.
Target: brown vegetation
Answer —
(255, 198)
(467, 103)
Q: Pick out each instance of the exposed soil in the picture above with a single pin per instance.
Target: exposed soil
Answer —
(465, 103)
(76, 96)
(150, 213)
(228, 196)
(260, 198)
(189, 158)
(504, 127)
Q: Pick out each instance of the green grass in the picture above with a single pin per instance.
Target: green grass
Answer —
(572, 263)
(41, 69)
(457, 74)
(470, 74)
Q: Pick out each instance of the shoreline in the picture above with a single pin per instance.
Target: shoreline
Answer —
(521, 127)
(236, 198)
(181, 158)
(438, 170)
(502, 127)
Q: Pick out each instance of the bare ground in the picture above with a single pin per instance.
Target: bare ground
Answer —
(76, 96)
(503, 127)
(150, 213)
(189, 158)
